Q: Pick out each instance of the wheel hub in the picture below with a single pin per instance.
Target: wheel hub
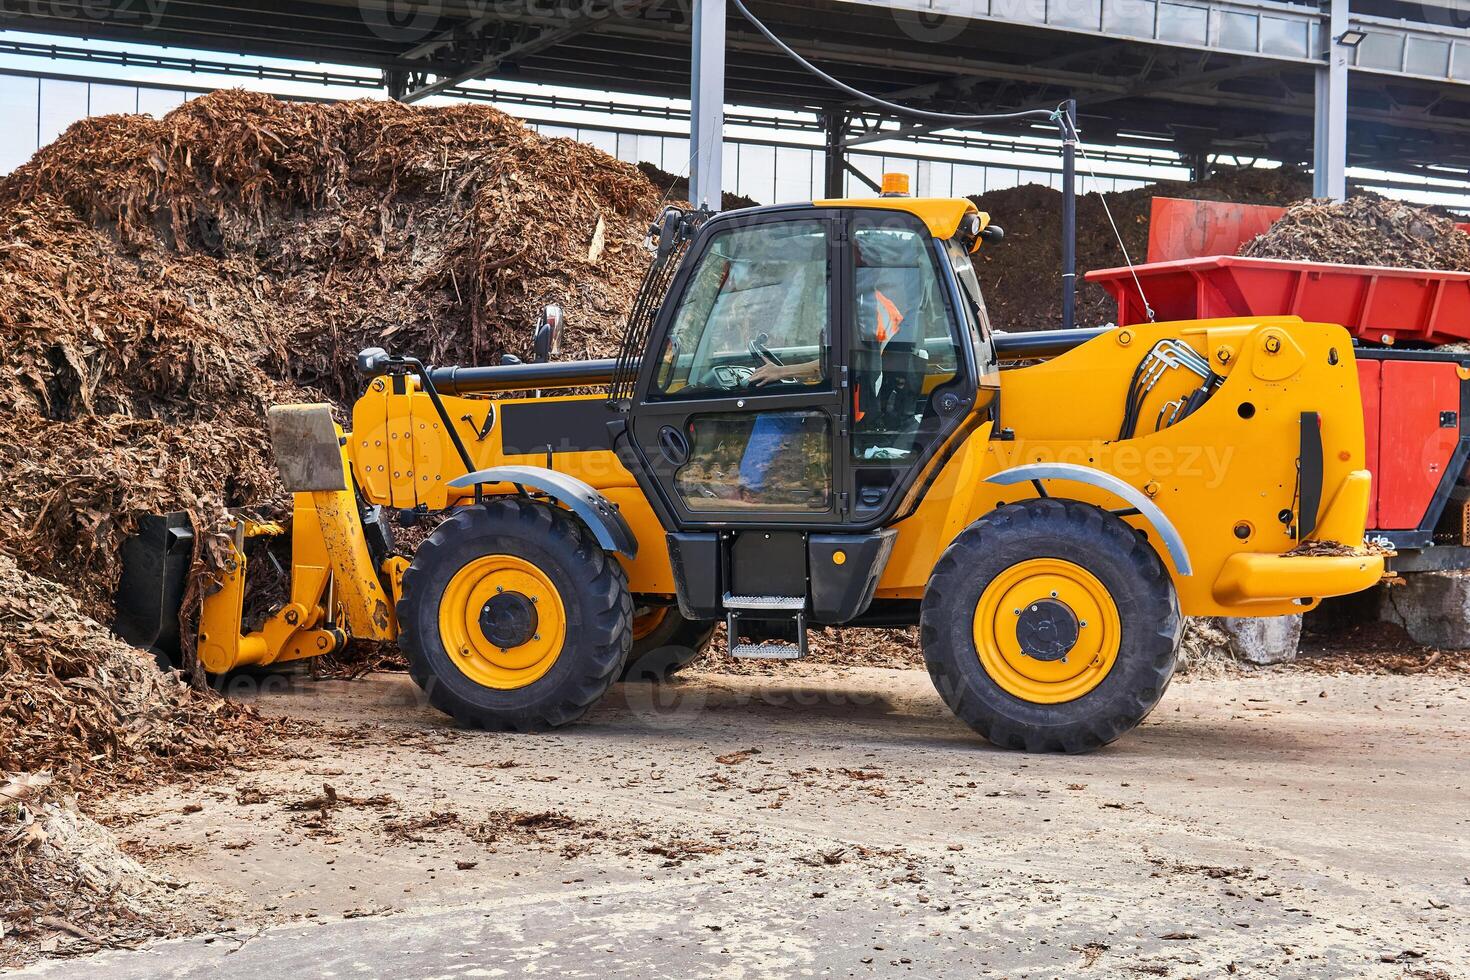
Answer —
(1047, 630)
(502, 621)
(508, 619)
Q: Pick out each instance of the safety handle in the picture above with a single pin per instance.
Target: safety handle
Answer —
(673, 446)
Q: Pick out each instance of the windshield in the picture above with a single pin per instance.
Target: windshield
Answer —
(975, 313)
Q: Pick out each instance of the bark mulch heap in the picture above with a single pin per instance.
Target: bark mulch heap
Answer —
(161, 283)
(1364, 231)
(1021, 275)
(83, 711)
(165, 280)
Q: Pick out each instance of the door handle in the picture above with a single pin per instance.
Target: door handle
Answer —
(673, 446)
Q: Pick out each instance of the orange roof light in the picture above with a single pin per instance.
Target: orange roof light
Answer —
(895, 185)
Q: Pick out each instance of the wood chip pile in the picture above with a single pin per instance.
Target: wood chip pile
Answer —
(92, 710)
(163, 281)
(81, 711)
(1364, 231)
(1021, 275)
(65, 886)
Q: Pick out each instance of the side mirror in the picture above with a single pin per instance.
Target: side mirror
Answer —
(371, 361)
(546, 341)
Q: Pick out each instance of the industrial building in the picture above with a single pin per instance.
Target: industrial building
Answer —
(1377, 91)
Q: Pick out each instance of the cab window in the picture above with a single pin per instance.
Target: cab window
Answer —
(904, 341)
(754, 314)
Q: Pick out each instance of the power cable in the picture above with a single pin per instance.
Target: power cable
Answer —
(1049, 114)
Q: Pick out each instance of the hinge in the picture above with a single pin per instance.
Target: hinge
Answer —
(842, 502)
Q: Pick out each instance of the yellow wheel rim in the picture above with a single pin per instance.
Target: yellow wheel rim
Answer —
(462, 623)
(644, 623)
(998, 642)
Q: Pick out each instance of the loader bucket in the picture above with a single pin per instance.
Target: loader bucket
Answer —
(150, 593)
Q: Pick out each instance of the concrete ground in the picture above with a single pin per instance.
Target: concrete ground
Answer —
(1285, 824)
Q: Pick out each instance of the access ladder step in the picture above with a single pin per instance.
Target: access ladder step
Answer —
(766, 651)
(776, 603)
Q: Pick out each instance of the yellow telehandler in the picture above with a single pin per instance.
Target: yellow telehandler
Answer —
(811, 422)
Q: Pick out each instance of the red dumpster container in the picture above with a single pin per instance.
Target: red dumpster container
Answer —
(1374, 303)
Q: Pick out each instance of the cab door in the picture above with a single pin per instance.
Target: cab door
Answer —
(738, 416)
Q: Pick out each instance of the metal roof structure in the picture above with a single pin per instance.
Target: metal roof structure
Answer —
(1243, 77)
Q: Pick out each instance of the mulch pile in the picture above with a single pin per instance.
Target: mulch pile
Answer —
(1364, 231)
(676, 189)
(92, 710)
(163, 281)
(83, 711)
(1021, 275)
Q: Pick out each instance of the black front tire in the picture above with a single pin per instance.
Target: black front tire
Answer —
(594, 594)
(1128, 568)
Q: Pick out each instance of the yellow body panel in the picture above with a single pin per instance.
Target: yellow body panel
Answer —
(1209, 473)
(390, 427)
(942, 215)
(1230, 465)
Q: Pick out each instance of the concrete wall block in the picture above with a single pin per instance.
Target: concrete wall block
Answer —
(1263, 639)
(1432, 607)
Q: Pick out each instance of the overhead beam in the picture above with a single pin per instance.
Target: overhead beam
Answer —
(537, 39)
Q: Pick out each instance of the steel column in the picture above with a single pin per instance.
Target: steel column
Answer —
(707, 77)
(1069, 214)
(834, 125)
(1329, 146)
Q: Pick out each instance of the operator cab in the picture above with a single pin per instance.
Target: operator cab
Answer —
(806, 370)
(808, 361)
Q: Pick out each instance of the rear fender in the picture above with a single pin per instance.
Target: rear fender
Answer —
(1135, 498)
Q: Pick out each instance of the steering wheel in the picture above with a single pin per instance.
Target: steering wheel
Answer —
(761, 352)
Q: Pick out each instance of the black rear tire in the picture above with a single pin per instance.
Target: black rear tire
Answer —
(670, 646)
(1114, 555)
(592, 590)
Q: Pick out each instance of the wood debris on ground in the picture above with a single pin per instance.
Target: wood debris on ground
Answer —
(65, 887)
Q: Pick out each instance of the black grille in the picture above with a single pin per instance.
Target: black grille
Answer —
(675, 229)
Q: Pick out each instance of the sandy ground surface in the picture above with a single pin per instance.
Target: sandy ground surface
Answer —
(1285, 824)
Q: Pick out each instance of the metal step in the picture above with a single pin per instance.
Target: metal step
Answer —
(777, 603)
(766, 651)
